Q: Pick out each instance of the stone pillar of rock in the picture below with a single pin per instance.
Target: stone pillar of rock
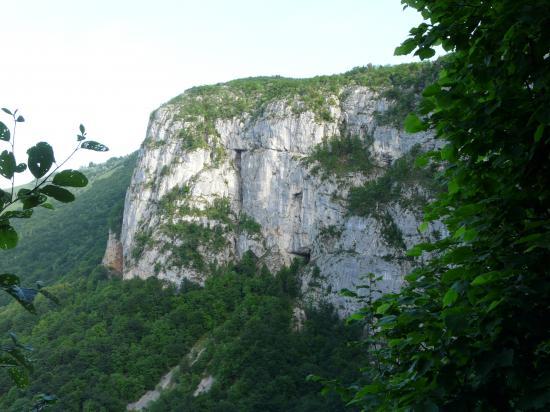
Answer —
(112, 259)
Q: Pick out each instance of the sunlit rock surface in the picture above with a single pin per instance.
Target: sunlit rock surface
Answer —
(256, 164)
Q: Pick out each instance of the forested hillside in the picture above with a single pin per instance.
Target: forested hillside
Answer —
(69, 241)
(109, 341)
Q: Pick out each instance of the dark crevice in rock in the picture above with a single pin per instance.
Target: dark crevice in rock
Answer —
(238, 159)
(304, 253)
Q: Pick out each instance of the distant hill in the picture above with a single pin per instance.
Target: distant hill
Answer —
(68, 242)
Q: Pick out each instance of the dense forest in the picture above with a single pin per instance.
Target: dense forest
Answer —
(111, 340)
(468, 330)
(108, 340)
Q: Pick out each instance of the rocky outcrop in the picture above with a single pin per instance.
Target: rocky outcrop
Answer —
(112, 259)
(168, 381)
(151, 396)
(249, 185)
(204, 385)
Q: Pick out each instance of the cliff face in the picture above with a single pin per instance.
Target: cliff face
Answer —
(211, 185)
(112, 259)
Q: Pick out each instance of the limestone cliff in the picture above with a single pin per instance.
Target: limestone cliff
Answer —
(112, 259)
(240, 167)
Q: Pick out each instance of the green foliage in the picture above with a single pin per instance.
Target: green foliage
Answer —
(142, 241)
(200, 107)
(249, 225)
(177, 203)
(72, 178)
(170, 203)
(197, 137)
(63, 244)
(68, 242)
(190, 241)
(341, 156)
(257, 360)
(331, 231)
(390, 231)
(110, 341)
(404, 92)
(40, 161)
(468, 331)
(403, 182)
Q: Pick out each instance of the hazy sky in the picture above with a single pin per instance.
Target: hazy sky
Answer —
(109, 63)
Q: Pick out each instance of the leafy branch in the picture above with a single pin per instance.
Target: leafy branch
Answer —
(48, 184)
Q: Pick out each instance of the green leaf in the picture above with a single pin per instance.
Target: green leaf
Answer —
(459, 233)
(7, 111)
(383, 308)
(431, 90)
(422, 160)
(405, 48)
(539, 132)
(348, 293)
(34, 200)
(494, 304)
(21, 214)
(368, 389)
(95, 146)
(4, 132)
(448, 153)
(25, 296)
(8, 237)
(82, 129)
(7, 164)
(47, 206)
(5, 197)
(529, 238)
(425, 53)
(30, 198)
(58, 193)
(395, 342)
(20, 168)
(415, 251)
(22, 193)
(453, 187)
(387, 320)
(41, 158)
(426, 106)
(453, 274)
(413, 124)
(355, 317)
(485, 278)
(71, 178)
(470, 235)
(450, 297)
(313, 378)
(20, 119)
(423, 226)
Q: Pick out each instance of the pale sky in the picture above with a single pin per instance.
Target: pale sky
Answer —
(109, 63)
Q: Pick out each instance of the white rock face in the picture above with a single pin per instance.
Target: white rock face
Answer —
(112, 259)
(151, 396)
(263, 176)
(204, 385)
